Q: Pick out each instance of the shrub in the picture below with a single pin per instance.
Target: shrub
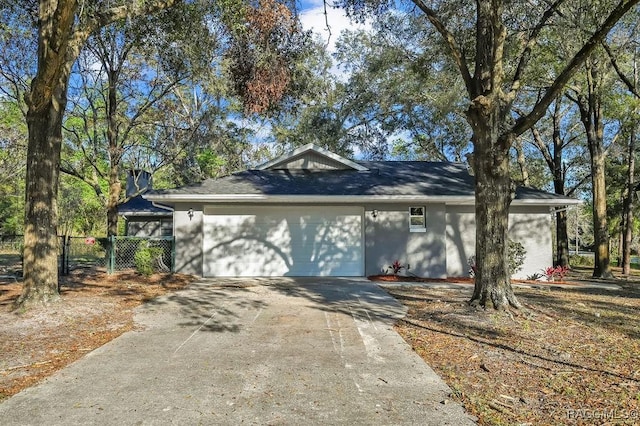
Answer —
(579, 260)
(535, 276)
(516, 254)
(146, 258)
(396, 267)
(559, 272)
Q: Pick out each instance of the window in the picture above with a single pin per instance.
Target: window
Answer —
(166, 228)
(417, 220)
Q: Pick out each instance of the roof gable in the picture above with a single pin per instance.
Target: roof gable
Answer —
(311, 157)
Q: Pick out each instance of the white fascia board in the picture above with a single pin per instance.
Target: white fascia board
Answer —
(145, 214)
(312, 147)
(548, 202)
(343, 199)
(161, 206)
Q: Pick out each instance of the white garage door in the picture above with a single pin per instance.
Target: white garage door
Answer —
(283, 241)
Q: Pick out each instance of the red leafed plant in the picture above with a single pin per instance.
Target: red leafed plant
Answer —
(396, 267)
(559, 272)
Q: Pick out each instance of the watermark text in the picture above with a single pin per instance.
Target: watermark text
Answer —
(602, 414)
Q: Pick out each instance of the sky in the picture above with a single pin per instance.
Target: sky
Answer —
(312, 18)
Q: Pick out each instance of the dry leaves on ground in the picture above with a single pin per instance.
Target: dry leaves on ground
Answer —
(94, 309)
(571, 357)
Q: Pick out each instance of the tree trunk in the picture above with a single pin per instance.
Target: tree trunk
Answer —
(46, 102)
(562, 239)
(493, 193)
(557, 168)
(590, 106)
(627, 212)
(522, 162)
(41, 245)
(562, 234)
(602, 267)
(112, 203)
(114, 153)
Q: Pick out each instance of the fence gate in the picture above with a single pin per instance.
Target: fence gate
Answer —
(73, 253)
(122, 251)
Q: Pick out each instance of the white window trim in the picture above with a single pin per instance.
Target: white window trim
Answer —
(418, 228)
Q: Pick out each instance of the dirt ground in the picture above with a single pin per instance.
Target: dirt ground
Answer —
(571, 356)
(95, 308)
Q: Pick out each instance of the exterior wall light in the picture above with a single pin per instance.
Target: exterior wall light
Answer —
(374, 213)
(190, 214)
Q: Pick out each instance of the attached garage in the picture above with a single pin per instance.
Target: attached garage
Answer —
(270, 241)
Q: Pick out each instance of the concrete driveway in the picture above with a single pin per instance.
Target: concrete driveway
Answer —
(261, 351)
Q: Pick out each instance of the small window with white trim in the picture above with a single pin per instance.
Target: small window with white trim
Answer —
(417, 219)
(166, 228)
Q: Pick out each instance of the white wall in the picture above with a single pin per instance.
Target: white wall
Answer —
(441, 251)
(460, 239)
(530, 226)
(188, 237)
(387, 238)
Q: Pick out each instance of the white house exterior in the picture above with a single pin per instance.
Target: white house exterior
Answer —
(313, 213)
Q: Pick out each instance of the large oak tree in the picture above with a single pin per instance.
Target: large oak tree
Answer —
(63, 28)
(492, 43)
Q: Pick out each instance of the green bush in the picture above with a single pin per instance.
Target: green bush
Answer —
(146, 258)
(517, 254)
(578, 260)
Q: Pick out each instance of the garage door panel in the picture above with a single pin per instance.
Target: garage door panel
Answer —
(293, 241)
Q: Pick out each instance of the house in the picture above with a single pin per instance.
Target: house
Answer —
(311, 212)
(142, 217)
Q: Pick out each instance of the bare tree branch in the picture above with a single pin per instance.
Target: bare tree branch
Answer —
(450, 40)
(627, 82)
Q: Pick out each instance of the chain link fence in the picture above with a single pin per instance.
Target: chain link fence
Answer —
(139, 253)
(116, 253)
(73, 253)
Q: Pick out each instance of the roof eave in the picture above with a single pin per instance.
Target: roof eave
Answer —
(551, 202)
(132, 213)
(345, 199)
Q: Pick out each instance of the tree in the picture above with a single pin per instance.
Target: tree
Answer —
(631, 126)
(390, 95)
(63, 27)
(110, 105)
(13, 135)
(400, 86)
(590, 99)
(561, 160)
(492, 59)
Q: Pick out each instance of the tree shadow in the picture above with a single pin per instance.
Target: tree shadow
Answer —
(618, 315)
(208, 306)
(514, 350)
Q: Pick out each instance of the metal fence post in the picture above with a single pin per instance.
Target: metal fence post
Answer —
(67, 252)
(111, 254)
(62, 254)
(173, 254)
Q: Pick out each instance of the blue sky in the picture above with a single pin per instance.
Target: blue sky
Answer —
(312, 18)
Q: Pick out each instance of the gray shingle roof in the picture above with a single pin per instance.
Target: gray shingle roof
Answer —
(383, 178)
(139, 206)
